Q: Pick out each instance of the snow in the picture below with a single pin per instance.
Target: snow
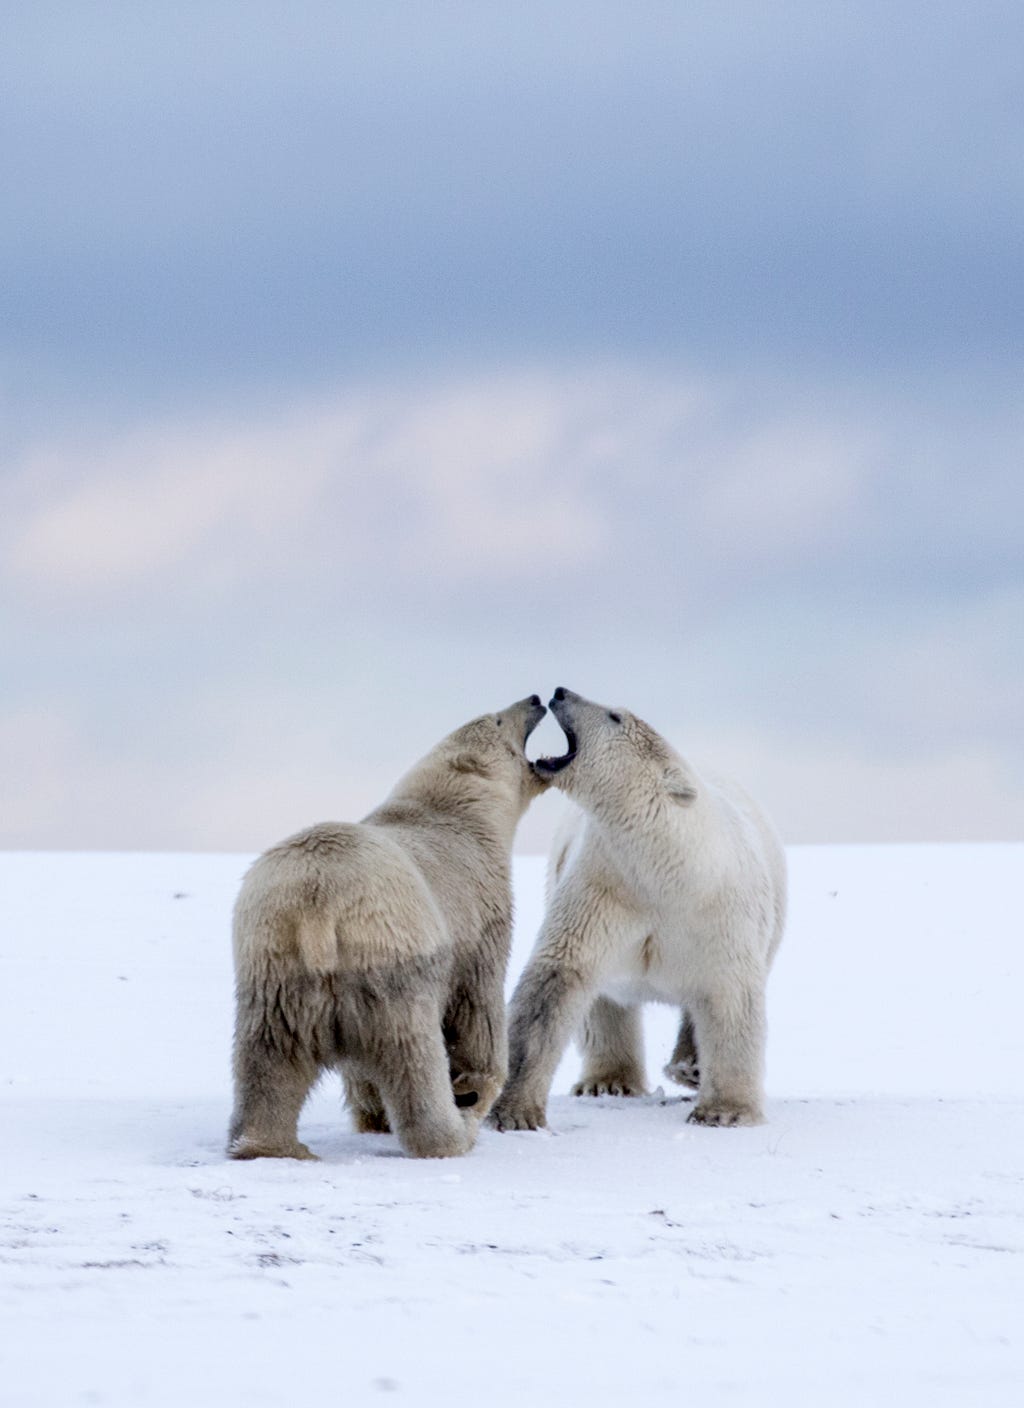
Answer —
(863, 1246)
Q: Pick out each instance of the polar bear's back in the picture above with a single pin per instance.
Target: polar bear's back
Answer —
(335, 896)
(757, 845)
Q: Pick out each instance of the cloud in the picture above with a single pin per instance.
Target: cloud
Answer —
(147, 501)
(477, 479)
(634, 498)
(235, 769)
(268, 762)
(786, 489)
(483, 460)
(40, 755)
(538, 474)
(830, 791)
(214, 611)
(243, 196)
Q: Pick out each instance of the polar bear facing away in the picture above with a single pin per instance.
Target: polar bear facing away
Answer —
(667, 886)
(380, 948)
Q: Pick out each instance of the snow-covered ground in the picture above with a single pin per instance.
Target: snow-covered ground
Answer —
(864, 1247)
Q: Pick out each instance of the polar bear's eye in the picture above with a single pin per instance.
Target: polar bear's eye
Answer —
(615, 718)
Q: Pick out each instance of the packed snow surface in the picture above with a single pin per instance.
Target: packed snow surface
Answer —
(865, 1246)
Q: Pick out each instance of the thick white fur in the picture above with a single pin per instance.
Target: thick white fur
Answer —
(665, 885)
(379, 948)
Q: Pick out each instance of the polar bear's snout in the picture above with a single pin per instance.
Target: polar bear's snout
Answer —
(579, 717)
(534, 711)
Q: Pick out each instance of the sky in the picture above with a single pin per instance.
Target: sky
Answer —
(365, 368)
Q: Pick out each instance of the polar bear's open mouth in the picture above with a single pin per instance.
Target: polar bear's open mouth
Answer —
(549, 766)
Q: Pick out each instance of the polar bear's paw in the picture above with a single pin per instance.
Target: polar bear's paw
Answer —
(724, 1114)
(685, 1072)
(439, 1140)
(245, 1147)
(476, 1091)
(518, 1114)
(624, 1084)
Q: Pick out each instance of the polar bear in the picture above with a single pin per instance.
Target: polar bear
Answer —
(380, 948)
(668, 886)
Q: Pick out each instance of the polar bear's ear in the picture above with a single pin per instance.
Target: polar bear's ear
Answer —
(471, 763)
(679, 787)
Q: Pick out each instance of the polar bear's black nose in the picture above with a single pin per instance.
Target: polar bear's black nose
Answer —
(535, 700)
(559, 693)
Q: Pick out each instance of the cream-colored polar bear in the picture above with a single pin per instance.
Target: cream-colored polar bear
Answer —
(669, 886)
(380, 948)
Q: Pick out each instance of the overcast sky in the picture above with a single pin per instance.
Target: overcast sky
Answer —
(366, 367)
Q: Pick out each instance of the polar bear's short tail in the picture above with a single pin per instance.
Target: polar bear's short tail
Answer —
(284, 928)
(317, 941)
(288, 912)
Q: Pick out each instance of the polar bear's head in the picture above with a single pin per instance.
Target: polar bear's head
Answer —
(613, 759)
(480, 772)
(494, 745)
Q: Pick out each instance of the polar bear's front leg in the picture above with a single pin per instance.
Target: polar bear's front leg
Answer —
(476, 1033)
(730, 1034)
(612, 1042)
(548, 1003)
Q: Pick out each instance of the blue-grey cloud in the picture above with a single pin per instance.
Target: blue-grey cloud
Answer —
(255, 193)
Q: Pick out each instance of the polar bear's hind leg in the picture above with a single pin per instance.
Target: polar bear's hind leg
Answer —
(368, 1113)
(411, 1071)
(272, 1081)
(730, 1038)
(611, 1039)
(684, 1064)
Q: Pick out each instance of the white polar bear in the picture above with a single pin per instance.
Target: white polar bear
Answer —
(669, 886)
(380, 948)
